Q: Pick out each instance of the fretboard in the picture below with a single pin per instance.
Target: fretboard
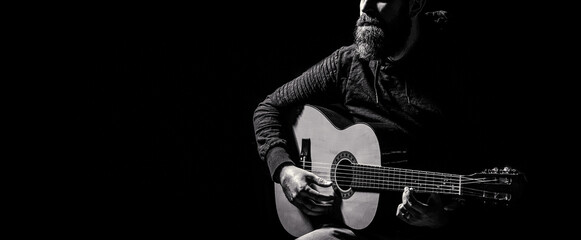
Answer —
(395, 179)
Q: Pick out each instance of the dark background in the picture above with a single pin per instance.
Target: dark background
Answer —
(173, 88)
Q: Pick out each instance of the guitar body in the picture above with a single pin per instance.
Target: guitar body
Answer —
(355, 209)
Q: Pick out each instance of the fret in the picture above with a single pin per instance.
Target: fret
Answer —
(380, 178)
(459, 185)
(375, 177)
(357, 175)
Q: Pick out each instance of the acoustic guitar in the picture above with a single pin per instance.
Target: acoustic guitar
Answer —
(351, 158)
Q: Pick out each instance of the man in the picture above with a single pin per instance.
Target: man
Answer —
(388, 76)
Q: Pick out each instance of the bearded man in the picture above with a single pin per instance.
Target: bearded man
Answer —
(388, 77)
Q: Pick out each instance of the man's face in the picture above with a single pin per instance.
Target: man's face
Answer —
(382, 27)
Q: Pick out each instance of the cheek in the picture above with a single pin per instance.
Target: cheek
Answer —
(389, 11)
(381, 6)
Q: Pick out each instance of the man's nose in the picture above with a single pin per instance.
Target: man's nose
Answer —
(367, 6)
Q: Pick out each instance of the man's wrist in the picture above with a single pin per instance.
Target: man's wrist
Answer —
(276, 158)
(280, 172)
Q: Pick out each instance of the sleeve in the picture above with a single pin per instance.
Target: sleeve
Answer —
(318, 85)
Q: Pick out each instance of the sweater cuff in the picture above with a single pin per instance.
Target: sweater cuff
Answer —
(275, 158)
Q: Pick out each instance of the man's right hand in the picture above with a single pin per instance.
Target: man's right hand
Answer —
(298, 186)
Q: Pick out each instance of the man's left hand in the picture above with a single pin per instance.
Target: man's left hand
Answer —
(431, 214)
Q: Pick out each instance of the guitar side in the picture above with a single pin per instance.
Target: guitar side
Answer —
(357, 209)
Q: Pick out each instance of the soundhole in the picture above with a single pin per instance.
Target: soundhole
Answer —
(342, 173)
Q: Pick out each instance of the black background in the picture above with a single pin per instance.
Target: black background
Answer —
(172, 91)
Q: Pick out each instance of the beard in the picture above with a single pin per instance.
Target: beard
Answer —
(375, 40)
(369, 38)
(370, 42)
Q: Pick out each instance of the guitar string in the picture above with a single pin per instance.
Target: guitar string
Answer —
(402, 177)
(422, 180)
(419, 183)
(419, 175)
(395, 180)
(395, 171)
(400, 188)
(399, 183)
(469, 192)
(431, 189)
(465, 191)
(396, 184)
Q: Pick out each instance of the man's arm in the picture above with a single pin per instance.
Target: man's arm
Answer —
(317, 85)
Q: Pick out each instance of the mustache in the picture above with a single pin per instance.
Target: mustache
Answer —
(366, 20)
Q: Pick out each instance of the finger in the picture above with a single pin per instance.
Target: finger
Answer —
(411, 203)
(402, 213)
(409, 212)
(400, 210)
(405, 195)
(326, 202)
(313, 208)
(318, 196)
(319, 181)
(304, 209)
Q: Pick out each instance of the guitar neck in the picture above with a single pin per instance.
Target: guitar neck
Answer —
(395, 179)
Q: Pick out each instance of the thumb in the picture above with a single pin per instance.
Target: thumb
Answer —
(320, 181)
(411, 197)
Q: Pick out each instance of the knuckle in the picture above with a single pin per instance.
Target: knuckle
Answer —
(292, 197)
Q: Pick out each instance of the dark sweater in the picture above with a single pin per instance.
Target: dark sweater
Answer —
(408, 98)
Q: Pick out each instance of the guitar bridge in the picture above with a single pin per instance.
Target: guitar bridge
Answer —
(305, 155)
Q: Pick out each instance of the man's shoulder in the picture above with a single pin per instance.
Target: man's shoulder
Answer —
(347, 51)
(346, 54)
